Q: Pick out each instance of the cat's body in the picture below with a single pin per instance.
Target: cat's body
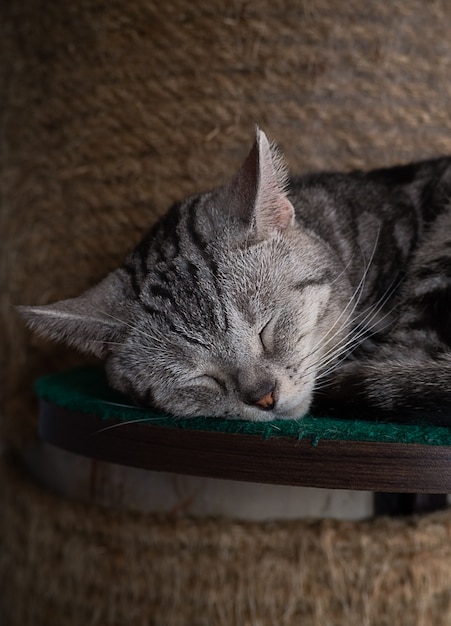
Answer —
(250, 301)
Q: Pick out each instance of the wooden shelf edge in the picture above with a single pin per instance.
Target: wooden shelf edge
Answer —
(356, 465)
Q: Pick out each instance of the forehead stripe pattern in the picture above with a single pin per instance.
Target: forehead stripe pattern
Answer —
(209, 262)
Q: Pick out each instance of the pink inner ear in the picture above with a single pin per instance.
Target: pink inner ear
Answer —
(285, 217)
(275, 213)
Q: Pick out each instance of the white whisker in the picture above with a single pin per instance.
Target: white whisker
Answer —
(124, 423)
(352, 342)
(342, 354)
(363, 329)
(368, 324)
(357, 295)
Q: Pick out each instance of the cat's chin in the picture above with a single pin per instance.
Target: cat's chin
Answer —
(294, 409)
(273, 416)
(291, 412)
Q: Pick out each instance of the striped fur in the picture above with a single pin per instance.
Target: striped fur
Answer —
(257, 302)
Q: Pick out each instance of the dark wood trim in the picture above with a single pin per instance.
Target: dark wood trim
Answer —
(402, 504)
(383, 467)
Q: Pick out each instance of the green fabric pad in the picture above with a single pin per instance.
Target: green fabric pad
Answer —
(86, 390)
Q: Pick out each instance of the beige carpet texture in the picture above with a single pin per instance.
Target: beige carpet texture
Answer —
(111, 111)
(72, 565)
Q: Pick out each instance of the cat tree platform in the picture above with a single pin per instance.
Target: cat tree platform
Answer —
(81, 414)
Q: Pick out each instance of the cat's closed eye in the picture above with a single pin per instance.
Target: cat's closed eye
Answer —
(275, 336)
(266, 335)
(209, 381)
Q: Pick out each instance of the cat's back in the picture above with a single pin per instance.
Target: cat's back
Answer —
(406, 199)
(424, 187)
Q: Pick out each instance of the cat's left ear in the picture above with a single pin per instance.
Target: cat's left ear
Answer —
(91, 322)
(258, 191)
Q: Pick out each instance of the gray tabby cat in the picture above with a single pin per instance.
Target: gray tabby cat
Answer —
(268, 297)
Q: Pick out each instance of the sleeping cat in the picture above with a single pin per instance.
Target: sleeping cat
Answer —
(273, 296)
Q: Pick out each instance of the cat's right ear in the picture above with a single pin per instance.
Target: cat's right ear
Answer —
(90, 322)
(257, 194)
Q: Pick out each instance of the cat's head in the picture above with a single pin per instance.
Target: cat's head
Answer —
(228, 307)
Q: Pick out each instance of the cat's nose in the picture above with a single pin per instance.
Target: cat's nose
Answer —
(265, 400)
(257, 387)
